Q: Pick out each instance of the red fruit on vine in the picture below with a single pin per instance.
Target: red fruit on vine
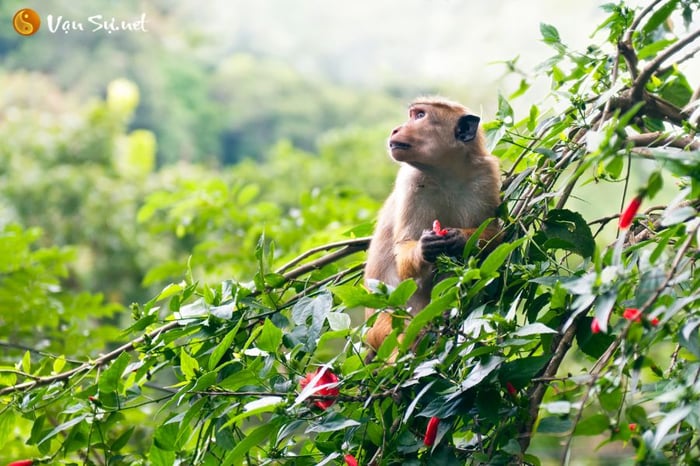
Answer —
(21, 463)
(511, 389)
(327, 378)
(632, 313)
(431, 431)
(595, 325)
(628, 215)
(350, 460)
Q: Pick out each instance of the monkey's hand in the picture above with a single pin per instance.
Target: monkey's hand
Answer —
(432, 245)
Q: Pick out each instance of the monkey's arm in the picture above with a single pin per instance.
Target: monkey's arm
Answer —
(410, 262)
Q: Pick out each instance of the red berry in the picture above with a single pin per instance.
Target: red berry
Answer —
(632, 426)
(595, 325)
(654, 321)
(511, 389)
(350, 460)
(431, 431)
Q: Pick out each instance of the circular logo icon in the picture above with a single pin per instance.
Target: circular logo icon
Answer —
(26, 22)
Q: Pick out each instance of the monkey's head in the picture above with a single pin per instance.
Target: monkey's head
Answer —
(438, 134)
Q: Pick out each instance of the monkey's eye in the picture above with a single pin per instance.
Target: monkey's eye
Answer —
(418, 114)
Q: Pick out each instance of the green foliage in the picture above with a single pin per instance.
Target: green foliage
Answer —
(267, 367)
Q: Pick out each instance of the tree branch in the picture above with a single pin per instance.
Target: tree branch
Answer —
(363, 242)
(660, 139)
(88, 366)
(641, 81)
(536, 393)
(351, 247)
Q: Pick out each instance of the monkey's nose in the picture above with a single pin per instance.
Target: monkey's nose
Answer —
(395, 130)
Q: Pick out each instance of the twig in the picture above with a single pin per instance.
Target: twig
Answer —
(660, 139)
(40, 381)
(646, 74)
(357, 245)
(326, 247)
(536, 394)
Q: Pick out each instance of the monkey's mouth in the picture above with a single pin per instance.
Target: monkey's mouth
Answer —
(398, 145)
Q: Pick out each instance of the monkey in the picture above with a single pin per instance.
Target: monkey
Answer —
(445, 173)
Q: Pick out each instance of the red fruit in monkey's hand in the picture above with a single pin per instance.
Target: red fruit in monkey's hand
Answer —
(437, 228)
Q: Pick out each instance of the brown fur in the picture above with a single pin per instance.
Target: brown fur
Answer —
(440, 177)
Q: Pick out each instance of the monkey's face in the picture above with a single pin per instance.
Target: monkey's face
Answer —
(435, 135)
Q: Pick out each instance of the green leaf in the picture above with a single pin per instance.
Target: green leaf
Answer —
(255, 438)
(497, 257)
(270, 338)
(593, 425)
(654, 184)
(611, 399)
(160, 457)
(402, 293)
(533, 329)
(188, 365)
(60, 428)
(27, 363)
(521, 371)
(614, 167)
(7, 425)
(564, 229)
(338, 321)
(355, 296)
(477, 375)
(667, 423)
(554, 425)
(223, 346)
(426, 315)
(333, 423)
(659, 17)
(165, 436)
(110, 378)
(170, 290)
(58, 364)
(550, 34)
(121, 441)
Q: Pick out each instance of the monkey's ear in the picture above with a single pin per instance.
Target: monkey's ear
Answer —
(466, 127)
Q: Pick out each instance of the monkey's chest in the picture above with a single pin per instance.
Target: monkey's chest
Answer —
(452, 209)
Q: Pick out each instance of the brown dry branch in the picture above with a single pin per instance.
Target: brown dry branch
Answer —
(645, 75)
(347, 248)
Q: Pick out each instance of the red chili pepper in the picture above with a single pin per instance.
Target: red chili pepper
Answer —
(437, 228)
(431, 431)
(22, 463)
(350, 460)
(595, 325)
(631, 210)
(511, 389)
(327, 378)
(632, 313)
